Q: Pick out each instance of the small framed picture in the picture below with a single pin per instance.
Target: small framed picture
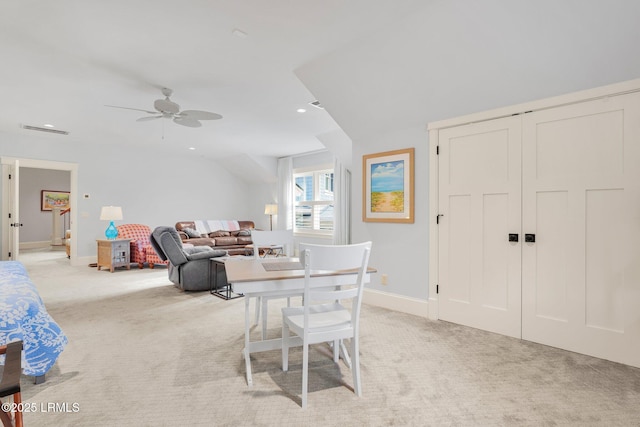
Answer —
(387, 181)
(53, 199)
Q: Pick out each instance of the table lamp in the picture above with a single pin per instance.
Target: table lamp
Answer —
(271, 210)
(111, 213)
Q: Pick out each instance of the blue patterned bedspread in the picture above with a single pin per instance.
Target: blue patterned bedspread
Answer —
(24, 317)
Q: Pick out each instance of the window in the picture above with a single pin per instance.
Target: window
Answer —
(313, 206)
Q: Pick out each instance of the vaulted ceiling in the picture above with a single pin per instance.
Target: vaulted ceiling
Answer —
(64, 61)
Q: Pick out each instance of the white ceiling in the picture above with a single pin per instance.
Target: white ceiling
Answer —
(62, 61)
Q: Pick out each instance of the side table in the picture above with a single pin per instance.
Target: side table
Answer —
(113, 253)
(218, 284)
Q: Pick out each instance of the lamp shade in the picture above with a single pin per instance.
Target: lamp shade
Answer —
(271, 209)
(111, 213)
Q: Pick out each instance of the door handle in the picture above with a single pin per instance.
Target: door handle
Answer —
(530, 238)
(513, 237)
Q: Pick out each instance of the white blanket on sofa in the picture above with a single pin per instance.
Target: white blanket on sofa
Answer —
(206, 226)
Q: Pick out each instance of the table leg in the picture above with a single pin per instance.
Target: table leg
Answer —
(247, 342)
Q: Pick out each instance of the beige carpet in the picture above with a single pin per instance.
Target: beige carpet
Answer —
(142, 353)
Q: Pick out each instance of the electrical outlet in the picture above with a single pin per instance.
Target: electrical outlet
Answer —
(384, 279)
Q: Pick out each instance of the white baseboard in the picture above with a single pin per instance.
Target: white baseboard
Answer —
(433, 308)
(35, 245)
(415, 306)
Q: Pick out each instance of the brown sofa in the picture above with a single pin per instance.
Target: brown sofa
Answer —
(232, 236)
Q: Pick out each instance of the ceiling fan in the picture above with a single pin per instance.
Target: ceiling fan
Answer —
(166, 108)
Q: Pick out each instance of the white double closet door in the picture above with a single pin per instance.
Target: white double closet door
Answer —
(568, 178)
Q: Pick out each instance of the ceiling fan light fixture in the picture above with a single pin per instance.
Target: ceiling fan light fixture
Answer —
(166, 106)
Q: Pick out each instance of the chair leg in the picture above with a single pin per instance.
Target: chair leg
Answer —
(5, 417)
(305, 374)
(140, 265)
(9, 420)
(345, 354)
(355, 366)
(336, 351)
(151, 265)
(258, 303)
(17, 398)
(285, 346)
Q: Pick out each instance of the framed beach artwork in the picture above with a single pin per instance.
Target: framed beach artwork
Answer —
(387, 186)
(53, 199)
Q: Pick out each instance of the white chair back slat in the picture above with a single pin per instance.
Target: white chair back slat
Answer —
(331, 294)
(264, 239)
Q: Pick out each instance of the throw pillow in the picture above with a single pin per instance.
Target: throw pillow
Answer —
(244, 232)
(190, 232)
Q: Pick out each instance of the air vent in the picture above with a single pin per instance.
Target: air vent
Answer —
(316, 104)
(40, 129)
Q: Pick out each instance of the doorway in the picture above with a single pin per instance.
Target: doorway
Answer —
(10, 201)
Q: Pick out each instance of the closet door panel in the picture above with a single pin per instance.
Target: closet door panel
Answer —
(551, 251)
(605, 284)
(479, 200)
(580, 177)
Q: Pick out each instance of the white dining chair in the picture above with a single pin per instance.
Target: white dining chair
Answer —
(324, 315)
(274, 243)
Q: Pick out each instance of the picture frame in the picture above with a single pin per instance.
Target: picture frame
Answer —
(388, 186)
(50, 199)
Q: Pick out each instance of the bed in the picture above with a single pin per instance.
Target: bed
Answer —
(23, 316)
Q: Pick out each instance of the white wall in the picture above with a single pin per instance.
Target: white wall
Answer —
(259, 195)
(455, 57)
(399, 250)
(154, 186)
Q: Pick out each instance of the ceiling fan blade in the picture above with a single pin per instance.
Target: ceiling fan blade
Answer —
(186, 121)
(146, 119)
(135, 109)
(200, 115)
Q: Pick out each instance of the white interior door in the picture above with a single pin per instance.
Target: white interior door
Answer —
(480, 205)
(14, 210)
(581, 199)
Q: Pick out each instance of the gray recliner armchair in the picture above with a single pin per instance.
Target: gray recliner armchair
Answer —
(188, 267)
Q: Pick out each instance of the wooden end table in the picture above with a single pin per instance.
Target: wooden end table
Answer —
(113, 253)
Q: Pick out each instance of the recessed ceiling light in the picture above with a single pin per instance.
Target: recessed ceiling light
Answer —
(192, 148)
(47, 125)
(301, 110)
